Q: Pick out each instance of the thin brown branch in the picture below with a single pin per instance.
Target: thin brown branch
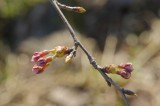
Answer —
(54, 3)
(91, 59)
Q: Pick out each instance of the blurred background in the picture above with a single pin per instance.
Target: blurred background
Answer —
(114, 31)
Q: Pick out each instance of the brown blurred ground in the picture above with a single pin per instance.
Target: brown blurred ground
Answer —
(134, 37)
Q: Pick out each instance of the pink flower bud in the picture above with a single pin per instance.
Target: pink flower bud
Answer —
(37, 69)
(41, 64)
(37, 55)
(44, 61)
(127, 66)
(124, 74)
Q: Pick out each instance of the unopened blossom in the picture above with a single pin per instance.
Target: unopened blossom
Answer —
(41, 64)
(110, 69)
(68, 58)
(124, 70)
(124, 74)
(78, 9)
(44, 61)
(38, 69)
(60, 51)
(37, 55)
(127, 66)
(41, 59)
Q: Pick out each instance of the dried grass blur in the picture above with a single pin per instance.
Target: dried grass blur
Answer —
(77, 83)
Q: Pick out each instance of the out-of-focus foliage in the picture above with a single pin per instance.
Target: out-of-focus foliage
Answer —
(126, 30)
(103, 17)
(11, 8)
(77, 83)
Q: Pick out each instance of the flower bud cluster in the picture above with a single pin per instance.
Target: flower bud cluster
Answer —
(43, 59)
(124, 70)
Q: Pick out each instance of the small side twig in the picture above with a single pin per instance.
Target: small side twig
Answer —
(92, 61)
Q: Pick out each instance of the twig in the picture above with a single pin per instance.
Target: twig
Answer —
(91, 59)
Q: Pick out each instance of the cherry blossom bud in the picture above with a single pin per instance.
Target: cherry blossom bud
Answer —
(124, 74)
(110, 69)
(127, 66)
(69, 8)
(123, 69)
(37, 55)
(38, 69)
(41, 64)
(60, 51)
(79, 9)
(68, 58)
(44, 61)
